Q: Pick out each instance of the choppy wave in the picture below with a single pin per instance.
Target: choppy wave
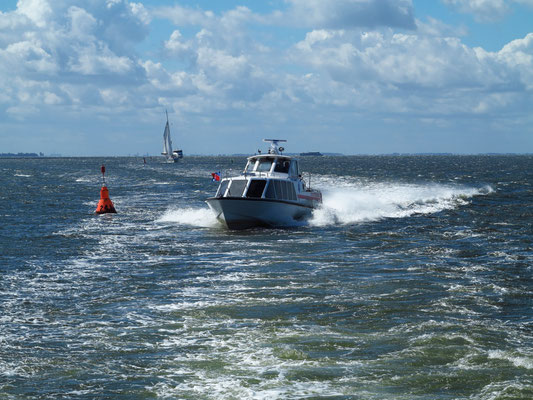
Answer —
(151, 303)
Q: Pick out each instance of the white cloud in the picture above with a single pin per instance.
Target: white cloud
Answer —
(426, 74)
(97, 59)
(38, 11)
(67, 40)
(221, 65)
(139, 11)
(51, 98)
(113, 97)
(28, 58)
(178, 83)
(485, 10)
(82, 23)
(222, 59)
(347, 14)
(517, 56)
(177, 46)
(182, 16)
(434, 27)
(363, 59)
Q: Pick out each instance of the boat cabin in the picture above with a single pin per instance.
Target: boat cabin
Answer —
(273, 177)
(263, 165)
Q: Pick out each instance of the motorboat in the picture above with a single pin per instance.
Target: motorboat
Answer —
(171, 156)
(270, 192)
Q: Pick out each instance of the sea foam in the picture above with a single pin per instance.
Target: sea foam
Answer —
(345, 203)
(348, 204)
(200, 217)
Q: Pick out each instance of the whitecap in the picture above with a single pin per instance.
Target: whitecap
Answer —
(516, 360)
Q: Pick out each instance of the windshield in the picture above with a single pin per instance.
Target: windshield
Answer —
(249, 166)
(282, 166)
(264, 165)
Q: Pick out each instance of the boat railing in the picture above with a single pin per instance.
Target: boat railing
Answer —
(308, 180)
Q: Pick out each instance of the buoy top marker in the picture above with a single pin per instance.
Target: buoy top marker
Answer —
(103, 173)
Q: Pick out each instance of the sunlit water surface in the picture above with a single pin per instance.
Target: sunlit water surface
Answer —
(413, 281)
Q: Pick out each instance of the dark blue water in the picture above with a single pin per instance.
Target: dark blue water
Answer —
(414, 281)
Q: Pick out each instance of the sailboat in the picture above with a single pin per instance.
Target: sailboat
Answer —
(172, 156)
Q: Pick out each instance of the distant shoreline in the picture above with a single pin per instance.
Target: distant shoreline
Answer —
(21, 155)
(41, 155)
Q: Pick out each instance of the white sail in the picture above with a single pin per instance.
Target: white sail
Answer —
(167, 142)
(171, 155)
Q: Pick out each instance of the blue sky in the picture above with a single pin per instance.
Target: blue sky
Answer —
(94, 77)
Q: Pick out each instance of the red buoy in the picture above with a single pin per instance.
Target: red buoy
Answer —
(105, 205)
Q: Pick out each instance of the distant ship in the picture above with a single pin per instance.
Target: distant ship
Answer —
(312, 153)
(172, 156)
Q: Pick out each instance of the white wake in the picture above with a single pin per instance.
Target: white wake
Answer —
(352, 203)
(347, 203)
(199, 217)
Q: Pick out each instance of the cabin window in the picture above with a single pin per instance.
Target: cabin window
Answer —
(236, 188)
(256, 188)
(294, 169)
(282, 166)
(277, 187)
(249, 166)
(222, 188)
(284, 194)
(292, 192)
(280, 190)
(265, 165)
(270, 192)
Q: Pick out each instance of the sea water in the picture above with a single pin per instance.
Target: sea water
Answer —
(413, 281)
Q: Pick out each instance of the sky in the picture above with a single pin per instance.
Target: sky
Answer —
(94, 77)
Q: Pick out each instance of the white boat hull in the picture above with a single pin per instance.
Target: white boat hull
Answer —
(243, 213)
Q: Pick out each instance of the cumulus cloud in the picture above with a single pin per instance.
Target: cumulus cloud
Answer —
(517, 56)
(347, 14)
(353, 58)
(411, 68)
(29, 58)
(61, 41)
(97, 60)
(485, 10)
(183, 16)
(82, 24)
(223, 60)
(392, 58)
(38, 11)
